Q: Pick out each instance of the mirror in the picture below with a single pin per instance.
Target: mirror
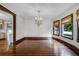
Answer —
(67, 27)
(56, 27)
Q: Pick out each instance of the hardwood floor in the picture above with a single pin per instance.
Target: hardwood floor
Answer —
(35, 48)
(48, 47)
(3, 47)
(62, 50)
(42, 47)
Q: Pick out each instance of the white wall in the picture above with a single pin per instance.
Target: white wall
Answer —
(32, 30)
(19, 28)
(68, 12)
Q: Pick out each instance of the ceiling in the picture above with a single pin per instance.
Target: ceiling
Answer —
(29, 10)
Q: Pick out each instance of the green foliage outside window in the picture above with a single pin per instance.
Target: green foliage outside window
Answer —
(68, 27)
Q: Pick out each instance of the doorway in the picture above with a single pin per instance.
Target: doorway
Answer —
(7, 31)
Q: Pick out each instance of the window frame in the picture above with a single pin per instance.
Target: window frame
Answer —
(59, 27)
(72, 26)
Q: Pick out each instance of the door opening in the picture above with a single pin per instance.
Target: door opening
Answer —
(7, 31)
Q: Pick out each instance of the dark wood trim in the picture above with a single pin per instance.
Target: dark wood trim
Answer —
(14, 24)
(72, 26)
(20, 40)
(31, 38)
(59, 27)
(14, 31)
(72, 47)
(77, 20)
(2, 38)
(36, 38)
(6, 10)
(77, 32)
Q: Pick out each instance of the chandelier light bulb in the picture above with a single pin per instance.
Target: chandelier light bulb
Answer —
(38, 19)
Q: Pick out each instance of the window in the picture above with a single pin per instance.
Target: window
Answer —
(1, 24)
(56, 27)
(67, 26)
(77, 16)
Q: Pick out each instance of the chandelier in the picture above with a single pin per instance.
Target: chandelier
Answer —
(38, 18)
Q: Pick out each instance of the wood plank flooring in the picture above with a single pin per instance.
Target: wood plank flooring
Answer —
(30, 47)
(48, 47)
(35, 48)
(5, 50)
(3, 47)
(62, 50)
